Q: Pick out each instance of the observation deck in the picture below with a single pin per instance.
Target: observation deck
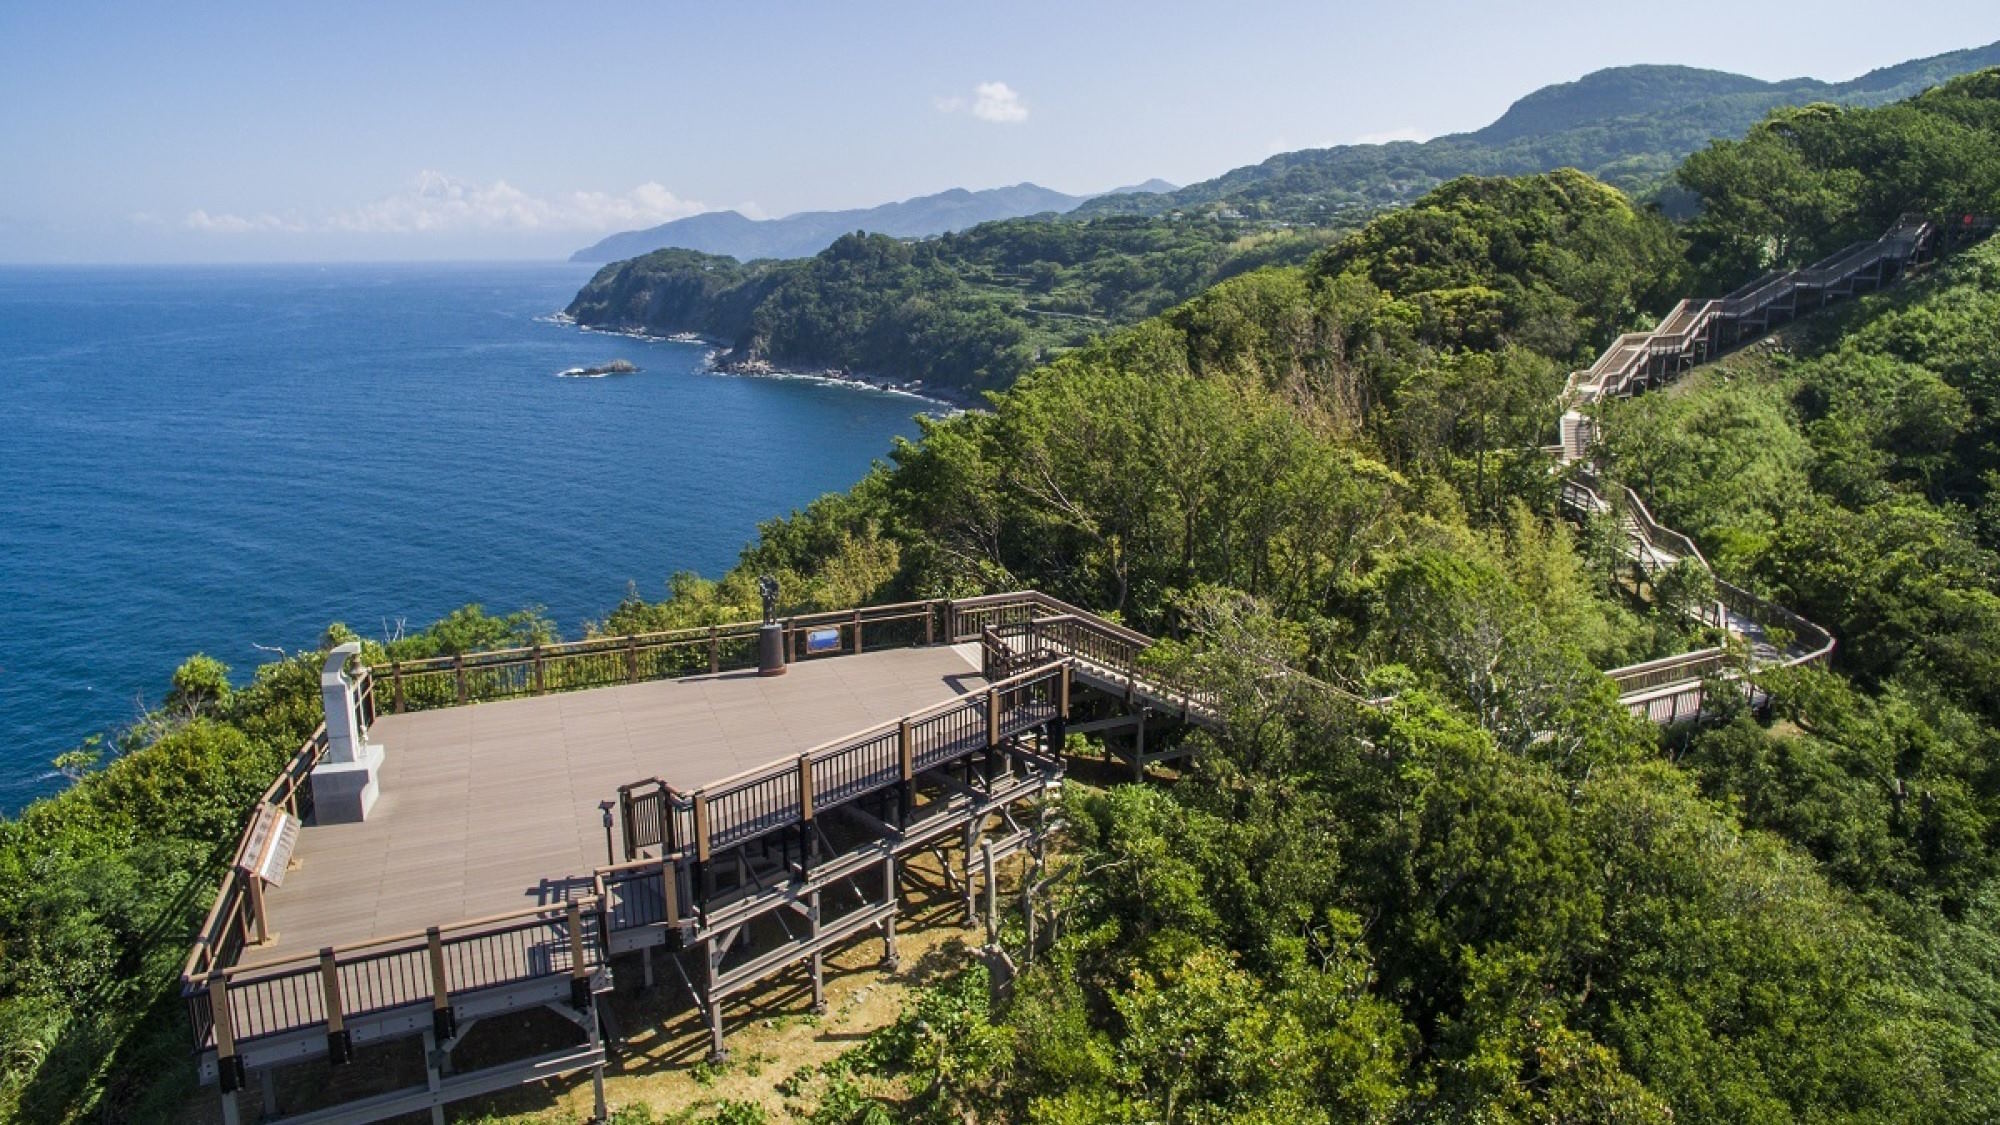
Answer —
(474, 835)
(493, 809)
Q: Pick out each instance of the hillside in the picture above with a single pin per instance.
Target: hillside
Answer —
(972, 311)
(806, 233)
(960, 314)
(1500, 897)
(1626, 125)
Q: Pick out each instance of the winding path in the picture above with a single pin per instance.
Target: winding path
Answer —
(1694, 332)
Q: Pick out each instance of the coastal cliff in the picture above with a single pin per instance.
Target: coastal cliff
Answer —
(951, 316)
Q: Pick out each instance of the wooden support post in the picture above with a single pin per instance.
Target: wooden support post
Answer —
(458, 672)
(444, 1023)
(907, 753)
(257, 908)
(1139, 748)
(818, 966)
(714, 651)
(1028, 914)
(631, 660)
(712, 1005)
(535, 656)
(889, 959)
(806, 808)
(396, 680)
(700, 851)
(228, 1065)
(670, 887)
(974, 831)
(992, 896)
(595, 1031)
(579, 963)
(1062, 697)
(857, 633)
(992, 718)
(339, 1044)
(930, 623)
(950, 622)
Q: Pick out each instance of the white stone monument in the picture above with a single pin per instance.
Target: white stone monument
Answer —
(343, 783)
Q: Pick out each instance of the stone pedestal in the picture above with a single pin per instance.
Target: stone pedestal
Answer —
(343, 792)
(771, 649)
(343, 783)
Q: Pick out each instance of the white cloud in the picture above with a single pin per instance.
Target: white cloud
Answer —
(991, 101)
(237, 224)
(437, 203)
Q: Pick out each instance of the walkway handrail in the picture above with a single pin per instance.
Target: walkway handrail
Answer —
(1811, 644)
(227, 927)
(1683, 337)
(793, 790)
(446, 681)
(1670, 670)
(374, 976)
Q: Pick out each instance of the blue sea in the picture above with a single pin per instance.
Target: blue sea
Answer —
(226, 459)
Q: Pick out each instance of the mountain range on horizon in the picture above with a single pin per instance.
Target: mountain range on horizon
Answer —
(806, 233)
(971, 310)
(1626, 125)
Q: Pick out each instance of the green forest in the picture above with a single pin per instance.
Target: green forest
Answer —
(971, 312)
(1498, 897)
(1629, 126)
(961, 313)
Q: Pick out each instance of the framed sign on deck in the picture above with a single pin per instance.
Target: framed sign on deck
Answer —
(267, 849)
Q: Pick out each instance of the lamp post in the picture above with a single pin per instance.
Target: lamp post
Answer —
(609, 856)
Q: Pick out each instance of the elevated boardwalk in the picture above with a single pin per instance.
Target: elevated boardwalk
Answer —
(496, 808)
(1695, 331)
(545, 810)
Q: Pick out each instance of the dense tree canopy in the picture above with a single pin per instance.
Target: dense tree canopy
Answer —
(1490, 895)
(966, 312)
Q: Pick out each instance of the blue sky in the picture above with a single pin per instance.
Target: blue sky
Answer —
(219, 132)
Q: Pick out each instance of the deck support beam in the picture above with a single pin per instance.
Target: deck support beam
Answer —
(975, 830)
(818, 959)
(889, 895)
(711, 1002)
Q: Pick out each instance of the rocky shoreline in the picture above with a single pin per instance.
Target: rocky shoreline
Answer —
(615, 367)
(725, 359)
(730, 363)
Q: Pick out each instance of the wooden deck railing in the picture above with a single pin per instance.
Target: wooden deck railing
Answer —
(1689, 333)
(432, 967)
(232, 922)
(1097, 646)
(1686, 666)
(791, 791)
(447, 681)
(264, 999)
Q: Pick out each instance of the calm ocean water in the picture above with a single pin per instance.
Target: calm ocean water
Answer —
(212, 459)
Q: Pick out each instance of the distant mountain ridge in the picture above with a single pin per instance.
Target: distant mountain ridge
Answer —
(1627, 125)
(806, 233)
